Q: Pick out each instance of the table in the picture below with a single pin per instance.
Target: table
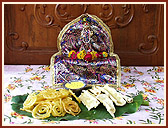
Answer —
(23, 79)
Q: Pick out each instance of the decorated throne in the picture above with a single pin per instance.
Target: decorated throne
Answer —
(85, 53)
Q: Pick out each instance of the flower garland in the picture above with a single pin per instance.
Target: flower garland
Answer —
(87, 56)
(83, 53)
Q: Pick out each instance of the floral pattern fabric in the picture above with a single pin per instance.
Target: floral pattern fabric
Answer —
(23, 79)
(86, 34)
(98, 72)
(86, 48)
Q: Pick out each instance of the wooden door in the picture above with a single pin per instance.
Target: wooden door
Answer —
(31, 31)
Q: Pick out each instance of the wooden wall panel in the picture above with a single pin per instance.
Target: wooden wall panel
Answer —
(31, 31)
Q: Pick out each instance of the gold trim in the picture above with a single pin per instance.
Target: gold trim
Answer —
(66, 27)
(52, 70)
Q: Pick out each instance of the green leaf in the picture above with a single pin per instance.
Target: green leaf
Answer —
(97, 113)
(130, 108)
(16, 108)
(129, 122)
(66, 117)
(19, 98)
(145, 103)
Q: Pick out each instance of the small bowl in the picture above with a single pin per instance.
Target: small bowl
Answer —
(74, 85)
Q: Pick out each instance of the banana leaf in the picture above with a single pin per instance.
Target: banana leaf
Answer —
(97, 113)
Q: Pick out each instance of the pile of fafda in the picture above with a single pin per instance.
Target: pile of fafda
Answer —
(106, 95)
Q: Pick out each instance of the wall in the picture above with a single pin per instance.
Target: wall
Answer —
(31, 31)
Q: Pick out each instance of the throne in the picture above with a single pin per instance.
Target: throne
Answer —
(85, 53)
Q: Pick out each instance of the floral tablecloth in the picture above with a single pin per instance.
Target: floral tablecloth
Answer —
(23, 79)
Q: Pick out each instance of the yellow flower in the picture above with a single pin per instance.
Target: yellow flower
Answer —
(11, 87)
(128, 85)
(159, 69)
(126, 70)
(144, 96)
(146, 84)
(159, 81)
(18, 81)
(71, 52)
(7, 97)
(149, 90)
(36, 78)
(93, 53)
(16, 115)
(140, 73)
(120, 89)
(28, 69)
(84, 19)
(105, 54)
(161, 101)
(81, 54)
(46, 68)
